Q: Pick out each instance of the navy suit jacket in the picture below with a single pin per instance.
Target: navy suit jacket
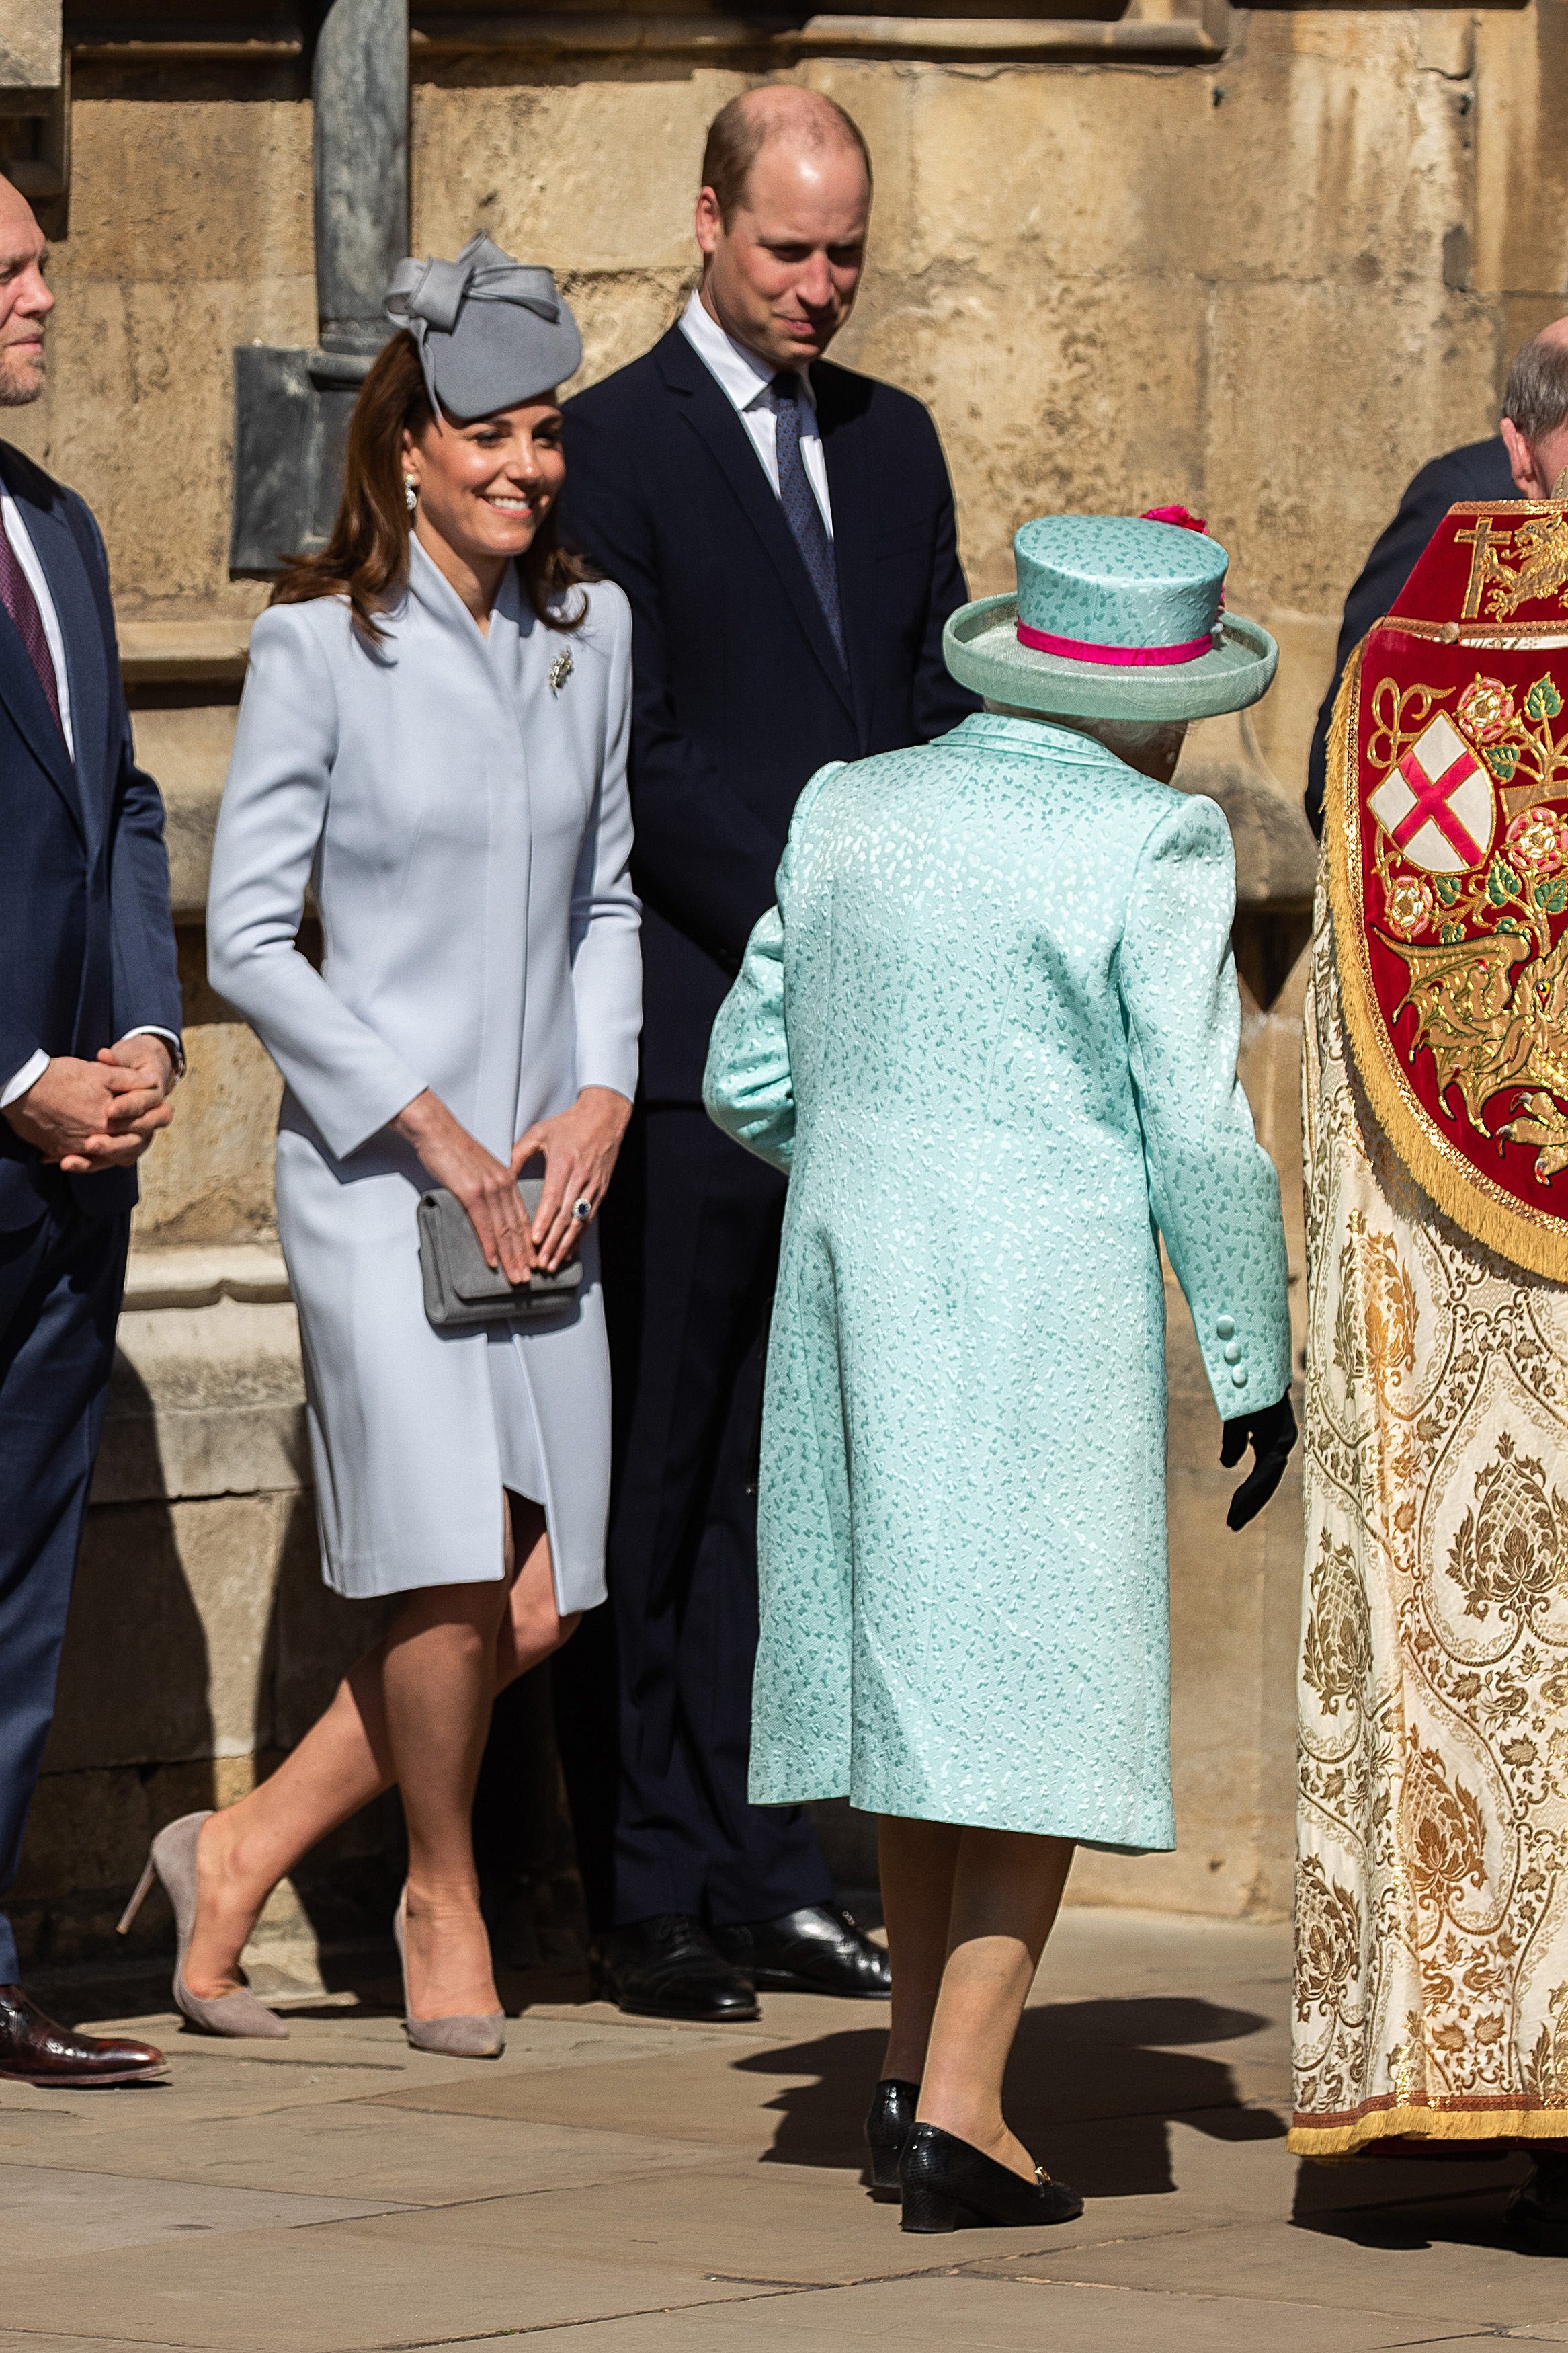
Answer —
(1479, 471)
(86, 943)
(738, 693)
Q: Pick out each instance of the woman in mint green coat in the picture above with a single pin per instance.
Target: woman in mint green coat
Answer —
(989, 1030)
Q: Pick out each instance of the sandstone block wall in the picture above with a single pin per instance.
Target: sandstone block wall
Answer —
(1268, 283)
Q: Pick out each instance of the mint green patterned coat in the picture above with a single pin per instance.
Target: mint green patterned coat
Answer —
(989, 1030)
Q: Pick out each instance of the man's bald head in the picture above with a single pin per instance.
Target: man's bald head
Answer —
(26, 301)
(804, 120)
(781, 221)
(1535, 413)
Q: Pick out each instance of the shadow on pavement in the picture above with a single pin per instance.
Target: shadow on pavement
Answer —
(1404, 2205)
(1092, 2089)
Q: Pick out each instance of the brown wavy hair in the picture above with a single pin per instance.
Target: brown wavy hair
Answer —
(366, 558)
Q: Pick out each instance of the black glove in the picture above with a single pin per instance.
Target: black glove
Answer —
(1272, 1432)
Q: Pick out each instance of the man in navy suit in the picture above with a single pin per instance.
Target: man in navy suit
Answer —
(785, 531)
(89, 1050)
(1522, 460)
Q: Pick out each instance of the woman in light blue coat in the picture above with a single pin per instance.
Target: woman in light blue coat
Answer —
(433, 739)
(989, 1030)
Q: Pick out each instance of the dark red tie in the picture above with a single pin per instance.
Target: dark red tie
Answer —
(16, 595)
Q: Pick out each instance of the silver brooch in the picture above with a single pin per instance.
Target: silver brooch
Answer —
(560, 671)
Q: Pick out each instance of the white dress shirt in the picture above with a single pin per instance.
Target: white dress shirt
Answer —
(27, 555)
(746, 381)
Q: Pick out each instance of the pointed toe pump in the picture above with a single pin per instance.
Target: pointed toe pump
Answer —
(482, 2036)
(888, 2123)
(171, 1860)
(947, 2185)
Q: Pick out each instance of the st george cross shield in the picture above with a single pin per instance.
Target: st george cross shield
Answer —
(1437, 803)
(1446, 841)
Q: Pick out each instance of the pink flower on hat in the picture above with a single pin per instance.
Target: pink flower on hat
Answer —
(1180, 516)
(1184, 519)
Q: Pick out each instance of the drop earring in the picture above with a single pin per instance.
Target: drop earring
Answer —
(410, 492)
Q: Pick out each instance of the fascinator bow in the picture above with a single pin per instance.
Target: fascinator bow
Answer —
(435, 294)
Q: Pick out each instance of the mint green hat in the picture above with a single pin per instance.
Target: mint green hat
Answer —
(1114, 616)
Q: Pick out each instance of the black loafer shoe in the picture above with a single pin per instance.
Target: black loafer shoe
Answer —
(949, 2186)
(888, 2123)
(818, 1949)
(668, 1967)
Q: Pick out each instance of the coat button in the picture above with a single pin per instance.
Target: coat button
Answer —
(1226, 1327)
(1240, 1377)
(1233, 1352)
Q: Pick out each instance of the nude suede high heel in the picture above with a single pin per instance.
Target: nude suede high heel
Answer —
(173, 1860)
(460, 2037)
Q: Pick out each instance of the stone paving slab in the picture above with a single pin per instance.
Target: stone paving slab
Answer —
(1463, 2277)
(361, 2150)
(738, 2226)
(328, 2291)
(27, 2341)
(50, 2214)
(946, 2315)
(627, 2186)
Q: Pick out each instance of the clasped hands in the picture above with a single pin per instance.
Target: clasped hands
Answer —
(578, 1147)
(84, 1117)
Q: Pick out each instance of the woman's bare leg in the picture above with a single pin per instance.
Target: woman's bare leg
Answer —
(917, 1860)
(346, 1758)
(1006, 1887)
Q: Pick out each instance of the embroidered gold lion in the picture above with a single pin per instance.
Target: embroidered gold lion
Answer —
(1543, 574)
(1489, 1027)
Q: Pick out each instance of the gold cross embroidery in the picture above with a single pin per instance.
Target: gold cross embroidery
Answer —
(1484, 565)
(1517, 799)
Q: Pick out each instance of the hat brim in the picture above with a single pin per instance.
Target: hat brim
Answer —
(980, 646)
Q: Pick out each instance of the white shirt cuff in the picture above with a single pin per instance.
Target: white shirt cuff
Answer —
(31, 1071)
(176, 1052)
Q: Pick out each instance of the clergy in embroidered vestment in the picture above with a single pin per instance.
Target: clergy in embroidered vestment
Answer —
(1431, 1887)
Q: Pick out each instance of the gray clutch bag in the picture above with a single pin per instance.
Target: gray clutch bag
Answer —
(462, 1292)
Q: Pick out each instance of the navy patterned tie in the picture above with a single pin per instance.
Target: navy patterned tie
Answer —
(802, 512)
(20, 601)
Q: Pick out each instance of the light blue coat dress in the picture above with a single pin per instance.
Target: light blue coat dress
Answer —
(991, 1030)
(458, 807)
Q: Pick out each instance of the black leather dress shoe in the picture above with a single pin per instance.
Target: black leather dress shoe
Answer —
(1538, 2214)
(668, 1967)
(890, 2120)
(947, 2186)
(34, 2050)
(818, 1949)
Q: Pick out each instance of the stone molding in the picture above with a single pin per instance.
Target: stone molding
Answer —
(208, 1395)
(1164, 32)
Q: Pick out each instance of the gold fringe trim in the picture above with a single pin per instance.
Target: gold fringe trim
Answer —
(1533, 1239)
(1427, 2124)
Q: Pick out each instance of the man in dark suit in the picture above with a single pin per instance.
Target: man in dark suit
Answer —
(1522, 460)
(89, 1049)
(785, 531)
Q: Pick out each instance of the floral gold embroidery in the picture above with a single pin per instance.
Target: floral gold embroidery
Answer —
(1508, 1552)
(1337, 1650)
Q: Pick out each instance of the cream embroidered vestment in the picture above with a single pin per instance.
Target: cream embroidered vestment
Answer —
(1431, 1887)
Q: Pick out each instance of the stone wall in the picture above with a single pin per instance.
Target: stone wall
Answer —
(1269, 282)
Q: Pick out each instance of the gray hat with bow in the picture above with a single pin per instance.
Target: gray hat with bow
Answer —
(490, 331)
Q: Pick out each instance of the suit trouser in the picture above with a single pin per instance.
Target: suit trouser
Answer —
(60, 1286)
(654, 1693)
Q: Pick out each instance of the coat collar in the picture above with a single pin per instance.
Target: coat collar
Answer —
(19, 685)
(712, 417)
(1037, 739)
